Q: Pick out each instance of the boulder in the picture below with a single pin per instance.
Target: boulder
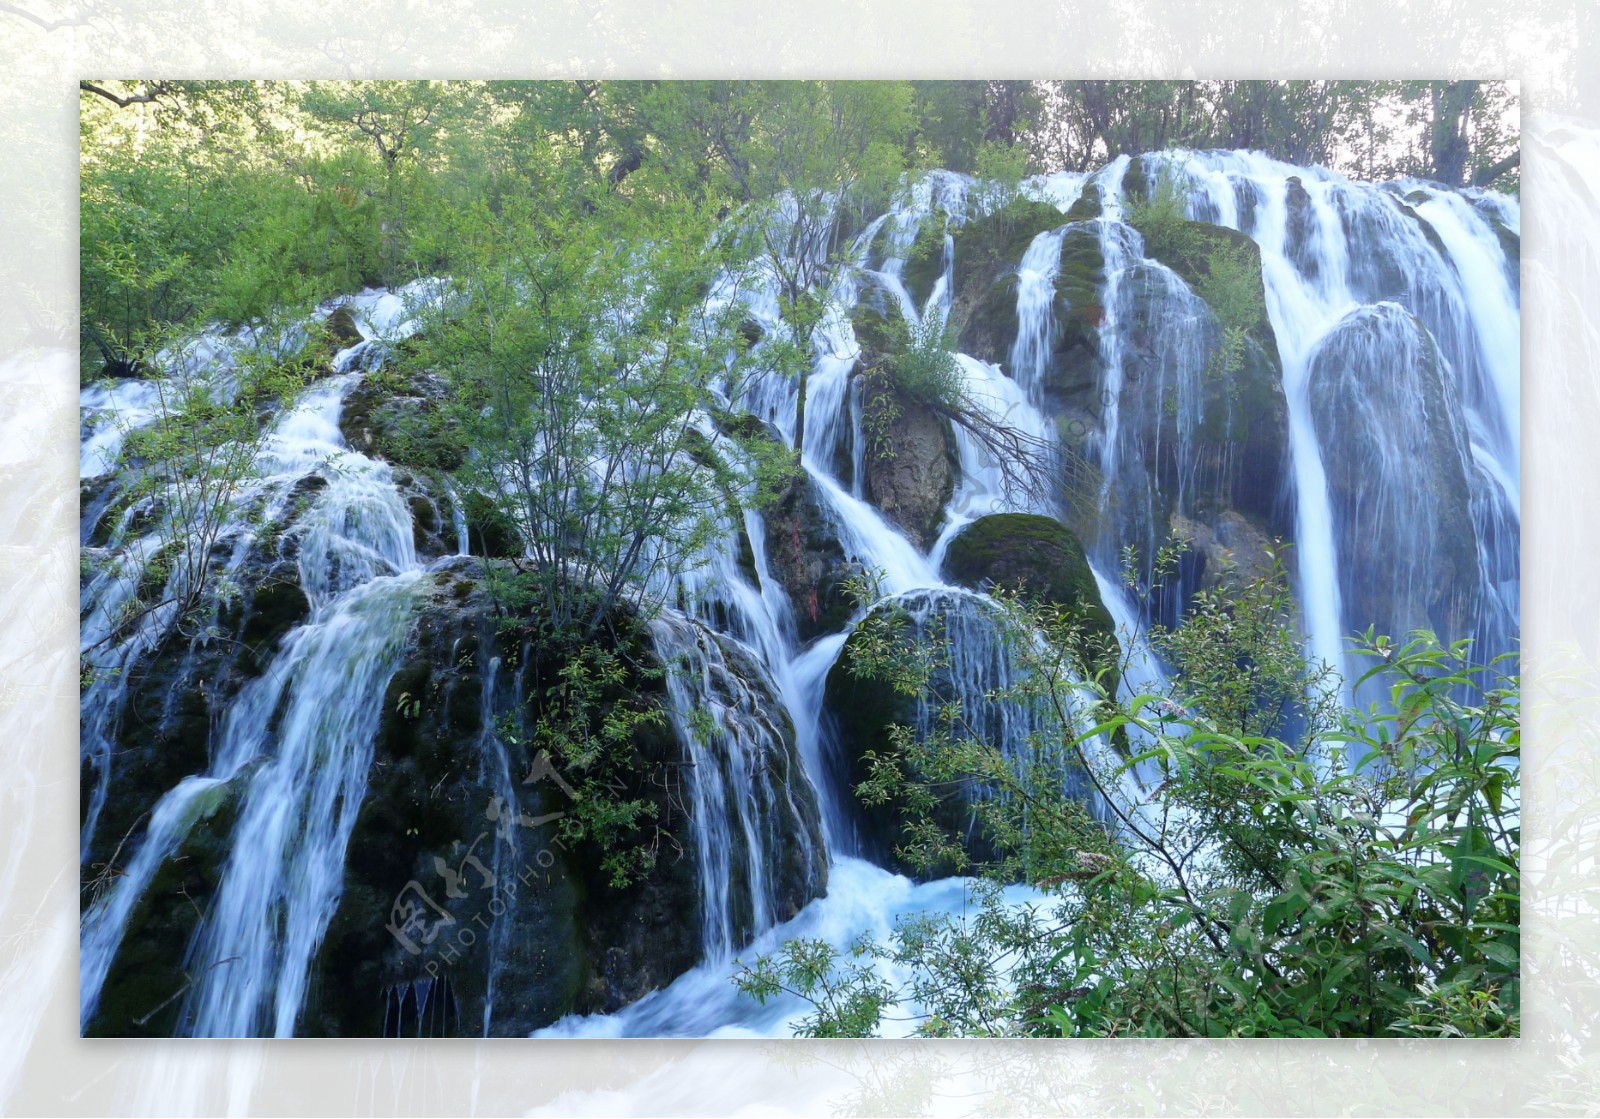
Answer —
(804, 555)
(1228, 552)
(1394, 448)
(1035, 554)
(909, 463)
(987, 252)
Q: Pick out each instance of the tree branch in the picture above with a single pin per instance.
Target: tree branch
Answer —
(1487, 175)
(153, 93)
(40, 22)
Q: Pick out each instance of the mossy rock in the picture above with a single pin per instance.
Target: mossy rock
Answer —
(989, 328)
(490, 532)
(912, 465)
(859, 711)
(1036, 554)
(1138, 180)
(277, 605)
(990, 246)
(430, 786)
(341, 327)
(1089, 205)
(925, 259)
(988, 250)
(397, 415)
(872, 329)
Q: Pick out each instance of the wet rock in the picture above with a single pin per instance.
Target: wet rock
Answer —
(1303, 228)
(341, 327)
(463, 819)
(1393, 440)
(804, 555)
(434, 877)
(142, 993)
(1230, 551)
(909, 463)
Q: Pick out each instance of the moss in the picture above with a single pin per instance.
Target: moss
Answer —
(396, 415)
(278, 605)
(1090, 204)
(925, 260)
(992, 245)
(872, 330)
(1036, 553)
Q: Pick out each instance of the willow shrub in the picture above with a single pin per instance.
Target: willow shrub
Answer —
(1363, 882)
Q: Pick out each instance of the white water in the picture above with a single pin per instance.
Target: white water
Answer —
(294, 746)
(296, 743)
(1315, 279)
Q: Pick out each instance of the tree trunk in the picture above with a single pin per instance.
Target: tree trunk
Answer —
(1447, 140)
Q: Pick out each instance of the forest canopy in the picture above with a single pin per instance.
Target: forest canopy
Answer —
(219, 201)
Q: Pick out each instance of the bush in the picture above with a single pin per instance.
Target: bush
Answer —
(1362, 883)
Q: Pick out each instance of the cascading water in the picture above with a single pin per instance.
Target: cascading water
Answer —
(1393, 370)
(292, 753)
(1329, 249)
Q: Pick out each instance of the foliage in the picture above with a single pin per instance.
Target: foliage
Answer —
(582, 378)
(1231, 287)
(1161, 215)
(1238, 657)
(189, 472)
(922, 363)
(849, 999)
(1217, 883)
(587, 723)
(1457, 132)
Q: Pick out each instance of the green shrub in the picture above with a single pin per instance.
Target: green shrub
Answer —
(1362, 883)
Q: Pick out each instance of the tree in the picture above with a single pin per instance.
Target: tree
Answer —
(799, 158)
(399, 120)
(585, 372)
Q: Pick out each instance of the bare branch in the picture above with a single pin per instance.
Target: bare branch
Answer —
(39, 21)
(154, 92)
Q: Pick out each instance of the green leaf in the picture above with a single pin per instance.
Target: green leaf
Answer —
(1283, 909)
(1502, 952)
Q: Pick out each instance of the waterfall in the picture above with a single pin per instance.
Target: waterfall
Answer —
(251, 955)
(1394, 315)
(744, 791)
(1330, 247)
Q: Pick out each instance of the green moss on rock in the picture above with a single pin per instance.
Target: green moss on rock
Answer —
(1036, 554)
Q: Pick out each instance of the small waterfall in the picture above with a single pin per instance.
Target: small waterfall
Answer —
(757, 837)
(981, 674)
(282, 885)
(1036, 319)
